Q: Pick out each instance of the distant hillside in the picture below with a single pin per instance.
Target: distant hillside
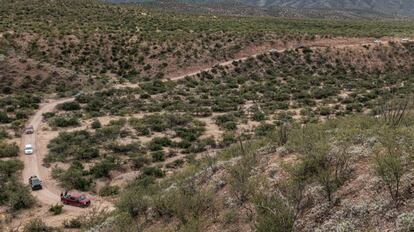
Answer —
(389, 7)
(222, 8)
(331, 9)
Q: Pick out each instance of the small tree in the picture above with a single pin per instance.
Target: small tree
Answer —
(273, 213)
(37, 225)
(239, 178)
(390, 168)
(96, 124)
(56, 209)
(389, 162)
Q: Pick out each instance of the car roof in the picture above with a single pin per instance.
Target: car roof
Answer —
(28, 146)
(74, 194)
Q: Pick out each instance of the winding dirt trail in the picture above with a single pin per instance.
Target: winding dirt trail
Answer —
(334, 43)
(33, 164)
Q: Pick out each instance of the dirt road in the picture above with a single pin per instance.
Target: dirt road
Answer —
(33, 163)
(343, 43)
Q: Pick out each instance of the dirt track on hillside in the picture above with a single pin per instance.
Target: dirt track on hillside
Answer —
(334, 43)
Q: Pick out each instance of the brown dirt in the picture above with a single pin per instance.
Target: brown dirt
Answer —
(50, 194)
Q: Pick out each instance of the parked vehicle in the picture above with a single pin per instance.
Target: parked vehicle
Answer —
(74, 200)
(28, 149)
(78, 94)
(29, 129)
(35, 183)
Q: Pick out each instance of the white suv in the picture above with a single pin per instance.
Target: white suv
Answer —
(28, 149)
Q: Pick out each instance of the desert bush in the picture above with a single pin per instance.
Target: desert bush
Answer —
(318, 161)
(10, 167)
(3, 134)
(69, 106)
(56, 209)
(102, 168)
(107, 191)
(96, 124)
(273, 214)
(158, 143)
(389, 161)
(75, 178)
(136, 201)
(19, 197)
(189, 133)
(37, 225)
(125, 148)
(74, 223)
(186, 202)
(158, 156)
(239, 178)
(4, 118)
(264, 129)
(60, 121)
(8, 150)
(139, 162)
(77, 144)
(153, 171)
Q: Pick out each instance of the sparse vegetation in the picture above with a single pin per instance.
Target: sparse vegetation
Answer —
(304, 139)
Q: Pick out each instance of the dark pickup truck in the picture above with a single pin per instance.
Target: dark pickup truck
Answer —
(35, 183)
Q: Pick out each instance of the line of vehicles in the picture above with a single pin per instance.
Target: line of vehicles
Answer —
(35, 183)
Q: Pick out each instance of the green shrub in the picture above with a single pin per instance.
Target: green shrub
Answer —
(10, 167)
(153, 171)
(158, 156)
(74, 223)
(264, 129)
(8, 150)
(103, 168)
(56, 209)
(69, 106)
(37, 225)
(64, 122)
(109, 191)
(125, 148)
(19, 197)
(3, 134)
(139, 162)
(77, 144)
(273, 215)
(4, 118)
(96, 124)
(158, 143)
(75, 178)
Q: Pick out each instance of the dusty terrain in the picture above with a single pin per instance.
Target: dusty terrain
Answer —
(34, 163)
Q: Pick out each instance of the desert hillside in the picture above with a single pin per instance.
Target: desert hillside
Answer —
(125, 117)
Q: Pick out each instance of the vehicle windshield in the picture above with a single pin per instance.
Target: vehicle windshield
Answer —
(35, 182)
(82, 198)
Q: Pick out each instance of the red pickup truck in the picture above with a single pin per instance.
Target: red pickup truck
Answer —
(29, 129)
(74, 200)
